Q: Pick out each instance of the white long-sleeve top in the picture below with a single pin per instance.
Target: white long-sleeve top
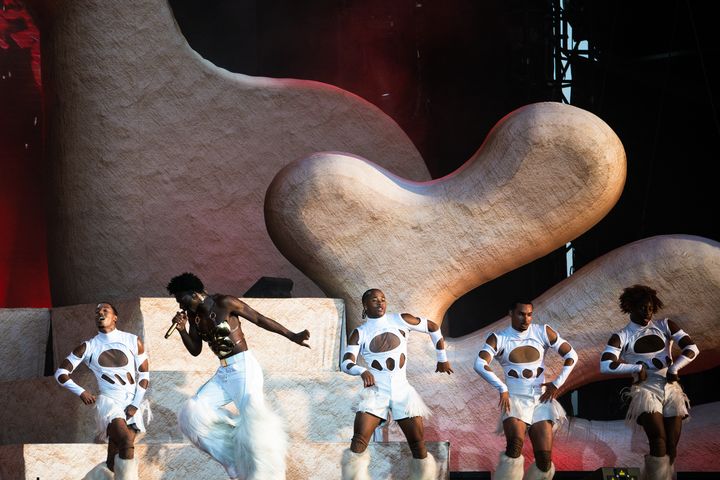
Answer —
(114, 360)
(523, 378)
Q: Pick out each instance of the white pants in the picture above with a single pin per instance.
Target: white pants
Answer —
(529, 409)
(392, 397)
(250, 445)
(109, 408)
(235, 383)
(656, 395)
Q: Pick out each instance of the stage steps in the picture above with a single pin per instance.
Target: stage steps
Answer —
(182, 461)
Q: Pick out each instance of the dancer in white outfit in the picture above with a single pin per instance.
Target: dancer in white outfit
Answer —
(525, 398)
(252, 444)
(643, 349)
(382, 342)
(120, 365)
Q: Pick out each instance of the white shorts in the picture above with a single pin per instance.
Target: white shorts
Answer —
(530, 410)
(656, 395)
(107, 409)
(392, 397)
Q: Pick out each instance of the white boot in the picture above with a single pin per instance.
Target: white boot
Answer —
(423, 468)
(355, 465)
(509, 468)
(100, 472)
(656, 468)
(126, 469)
(534, 473)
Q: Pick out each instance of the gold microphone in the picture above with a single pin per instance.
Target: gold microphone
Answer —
(170, 330)
(173, 326)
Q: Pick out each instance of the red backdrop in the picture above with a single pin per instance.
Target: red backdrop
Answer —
(23, 241)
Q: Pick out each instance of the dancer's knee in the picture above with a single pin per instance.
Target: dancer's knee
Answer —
(123, 439)
(543, 459)
(417, 447)
(514, 447)
(359, 443)
(658, 446)
(671, 450)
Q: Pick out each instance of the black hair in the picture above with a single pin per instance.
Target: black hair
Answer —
(111, 306)
(520, 301)
(365, 296)
(368, 293)
(638, 294)
(185, 282)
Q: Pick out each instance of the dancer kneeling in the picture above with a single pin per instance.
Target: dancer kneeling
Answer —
(644, 349)
(120, 365)
(382, 341)
(251, 445)
(525, 398)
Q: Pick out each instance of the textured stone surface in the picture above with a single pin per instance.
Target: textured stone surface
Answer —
(545, 174)
(161, 160)
(182, 461)
(22, 354)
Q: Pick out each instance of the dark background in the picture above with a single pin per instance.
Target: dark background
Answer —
(446, 72)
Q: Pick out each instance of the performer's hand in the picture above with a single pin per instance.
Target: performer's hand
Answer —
(641, 376)
(87, 398)
(180, 319)
(672, 377)
(444, 367)
(504, 402)
(300, 338)
(551, 391)
(130, 410)
(368, 379)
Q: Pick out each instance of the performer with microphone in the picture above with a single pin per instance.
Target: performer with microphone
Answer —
(173, 325)
(252, 444)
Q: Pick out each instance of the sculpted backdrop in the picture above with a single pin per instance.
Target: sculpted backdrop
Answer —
(162, 161)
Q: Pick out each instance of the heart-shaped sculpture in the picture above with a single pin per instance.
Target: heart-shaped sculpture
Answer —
(545, 174)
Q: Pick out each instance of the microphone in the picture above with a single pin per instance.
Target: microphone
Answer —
(174, 325)
(170, 330)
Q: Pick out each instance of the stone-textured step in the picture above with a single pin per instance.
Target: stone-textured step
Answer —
(176, 461)
(22, 354)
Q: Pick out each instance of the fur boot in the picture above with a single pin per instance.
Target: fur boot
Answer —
(260, 443)
(126, 469)
(211, 430)
(423, 468)
(355, 466)
(534, 473)
(100, 472)
(656, 468)
(509, 468)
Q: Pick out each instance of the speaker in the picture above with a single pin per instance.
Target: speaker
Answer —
(270, 287)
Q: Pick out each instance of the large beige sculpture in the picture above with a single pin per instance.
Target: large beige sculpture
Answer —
(546, 173)
(160, 160)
